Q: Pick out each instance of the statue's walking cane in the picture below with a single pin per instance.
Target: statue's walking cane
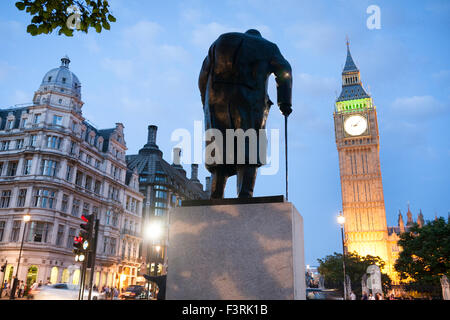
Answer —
(286, 153)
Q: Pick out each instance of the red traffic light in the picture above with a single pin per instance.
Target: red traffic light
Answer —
(84, 218)
(78, 239)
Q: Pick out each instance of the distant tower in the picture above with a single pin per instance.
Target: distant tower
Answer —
(401, 224)
(358, 145)
(409, 221)
(420, 220)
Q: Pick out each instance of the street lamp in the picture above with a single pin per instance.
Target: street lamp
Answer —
(341, 221)
(26, 218)
(153, 232)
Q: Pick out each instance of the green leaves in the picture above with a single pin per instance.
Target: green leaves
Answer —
(20, 5)
(66, 15)
(425, 254)
(331, 267)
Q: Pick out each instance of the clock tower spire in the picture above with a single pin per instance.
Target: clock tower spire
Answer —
(357, 141)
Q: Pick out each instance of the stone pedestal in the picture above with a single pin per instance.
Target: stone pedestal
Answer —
(236, 251)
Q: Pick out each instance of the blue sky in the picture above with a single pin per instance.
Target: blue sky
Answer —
(144, 71)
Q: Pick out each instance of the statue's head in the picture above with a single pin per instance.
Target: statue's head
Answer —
(254, 32)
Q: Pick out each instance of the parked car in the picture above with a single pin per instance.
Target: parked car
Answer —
(62, 291)
(322, 294)
(134, 292)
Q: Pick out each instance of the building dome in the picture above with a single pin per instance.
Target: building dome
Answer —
(62, 80)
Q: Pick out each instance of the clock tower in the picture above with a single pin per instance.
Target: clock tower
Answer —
(358, 144)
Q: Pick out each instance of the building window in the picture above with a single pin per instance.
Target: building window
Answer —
(21, 198)
(33, 140)
(112, 248)
(14, 237)
(53, 142)
(69, 173)
(57, 120)
(114, 219)
(76, 207)
(39, 231)
(37, 118)
(60, 235)
(27, 166)
(49, 168)
(159, 178)
(4, 145)
(95, 212)
(23, 123)
(79, 178)
(86, 207)
(161, 194)
(12, 168)
(108, 217)
(5, 198)
(19, 143)
(88, 183)
(70, 237)
(2, 229)
(45, 198)
(97, 186)
(65, 203)
(72, 147)
(10, 124)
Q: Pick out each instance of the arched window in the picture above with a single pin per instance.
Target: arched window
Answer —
(32, 275)
(76, 277)
(65, 276)
(54, 275)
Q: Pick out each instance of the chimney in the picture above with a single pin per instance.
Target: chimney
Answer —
(194, 172)
(176, 156)
(151, 139)
(208, 185)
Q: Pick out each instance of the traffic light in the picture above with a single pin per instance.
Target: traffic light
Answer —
(3, 268)
(87, 228)
(80, 253)
(82, 242)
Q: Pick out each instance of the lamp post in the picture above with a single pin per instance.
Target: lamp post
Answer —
(153, 232)
(341, 221)
(26, 218)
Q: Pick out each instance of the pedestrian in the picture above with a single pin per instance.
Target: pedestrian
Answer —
(371, 297)
(352, 296)
(391, 297)
(21, 289)
(116, 294)
(8, 286)
(40, 284)
(364, 296)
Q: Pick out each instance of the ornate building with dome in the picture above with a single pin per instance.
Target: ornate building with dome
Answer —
(55, 166)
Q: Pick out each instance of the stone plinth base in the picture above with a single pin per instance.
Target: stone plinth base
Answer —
(236, 251)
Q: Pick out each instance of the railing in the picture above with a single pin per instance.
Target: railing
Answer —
(131, 232)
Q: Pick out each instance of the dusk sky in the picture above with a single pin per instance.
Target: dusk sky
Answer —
(145, 71)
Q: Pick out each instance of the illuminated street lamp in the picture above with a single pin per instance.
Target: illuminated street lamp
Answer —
(153, 232)
(341, 221)
(26, 219)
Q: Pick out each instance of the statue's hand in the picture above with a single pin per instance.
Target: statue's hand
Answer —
(285, 109)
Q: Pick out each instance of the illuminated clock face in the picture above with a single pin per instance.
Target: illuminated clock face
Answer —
(355, 125)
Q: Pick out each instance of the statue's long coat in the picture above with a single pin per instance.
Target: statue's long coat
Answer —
(233, 85)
